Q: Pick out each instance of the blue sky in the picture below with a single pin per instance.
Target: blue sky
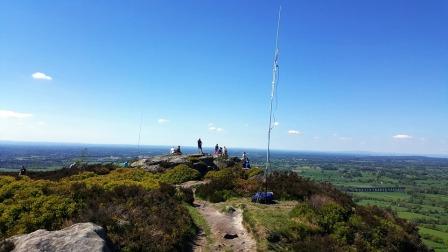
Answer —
(354, 75)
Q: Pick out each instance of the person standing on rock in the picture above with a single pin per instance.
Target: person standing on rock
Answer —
(225, 153)
(246, 162)
(216, 149)
(200, 146)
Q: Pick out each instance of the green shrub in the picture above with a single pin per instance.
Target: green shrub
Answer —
(185, 195)
(290, 186)
(215, 191)
(247, 188)
(129, 213)
(229, 174)
(330, 214)
(254, 171)
(225, 174)
(180, 174)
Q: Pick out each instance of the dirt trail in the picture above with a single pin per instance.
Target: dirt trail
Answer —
(227, 230)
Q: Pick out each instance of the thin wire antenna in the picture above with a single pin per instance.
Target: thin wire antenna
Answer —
(275, 75)
(140, 134)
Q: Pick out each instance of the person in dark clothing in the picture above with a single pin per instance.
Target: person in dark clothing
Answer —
(200, 146)
(177, 151)
(216, 149)
(22, 171)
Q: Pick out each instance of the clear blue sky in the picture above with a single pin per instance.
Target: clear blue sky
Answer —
(354, 75)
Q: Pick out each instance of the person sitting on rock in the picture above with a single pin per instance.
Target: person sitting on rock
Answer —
(172, 151)
(220, 151)
(177, 151)
(22, 171)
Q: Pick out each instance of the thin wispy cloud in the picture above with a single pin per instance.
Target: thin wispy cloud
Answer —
(212, 127)
(8, 114)
(402, 136)
(163, 120)
(342, 138)
(41, 76)
(294, 132)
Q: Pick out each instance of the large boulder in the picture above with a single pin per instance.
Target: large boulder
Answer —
(80, 237)
(222, 163)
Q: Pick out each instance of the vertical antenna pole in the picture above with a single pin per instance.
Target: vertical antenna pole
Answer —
(139, 134)
(274, 82)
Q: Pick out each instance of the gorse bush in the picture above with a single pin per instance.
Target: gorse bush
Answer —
(179, 174)
(27, 205)
(221, 186)
(226, 174)
(118, 177)
(254, 171)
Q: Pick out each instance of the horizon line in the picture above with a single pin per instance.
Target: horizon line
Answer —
(343, 152)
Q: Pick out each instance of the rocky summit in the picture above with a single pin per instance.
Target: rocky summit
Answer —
(164, 162)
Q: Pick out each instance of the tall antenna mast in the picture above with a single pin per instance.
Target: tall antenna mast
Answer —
(275, 74)
(139, 134)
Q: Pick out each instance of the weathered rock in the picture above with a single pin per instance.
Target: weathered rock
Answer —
(223, 163)
(162, 163)
(208, 160)
(79, 237)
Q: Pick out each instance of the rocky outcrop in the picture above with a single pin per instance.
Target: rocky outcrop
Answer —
(223, 163)
(162, 163)
(79, 237)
